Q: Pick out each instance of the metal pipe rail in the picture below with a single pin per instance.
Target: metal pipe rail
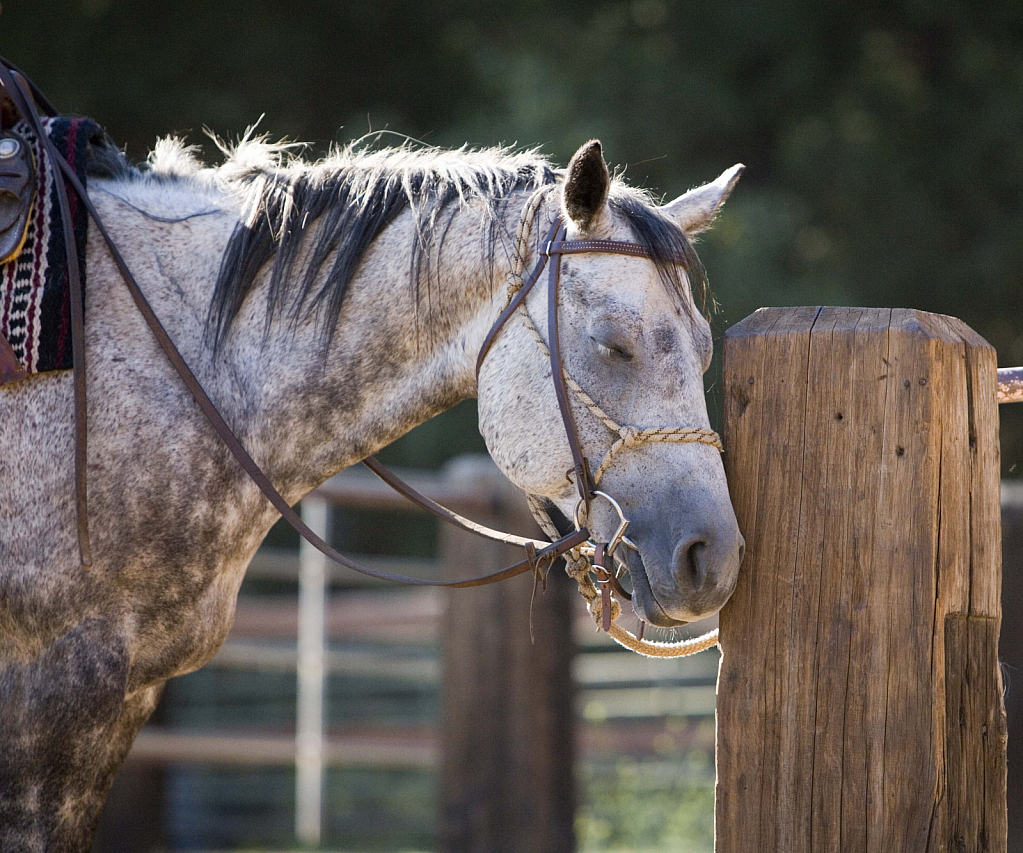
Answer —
(1010, 385)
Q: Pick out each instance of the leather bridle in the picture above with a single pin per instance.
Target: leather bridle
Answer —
(539, 556)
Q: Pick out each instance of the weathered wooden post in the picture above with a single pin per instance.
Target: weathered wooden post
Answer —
(1011, 648)
(859, 698)
(507, 718)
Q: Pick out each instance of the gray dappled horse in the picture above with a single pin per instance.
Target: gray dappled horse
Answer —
(327, 309)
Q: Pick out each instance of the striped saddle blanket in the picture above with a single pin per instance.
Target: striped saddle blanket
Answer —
(35, 307)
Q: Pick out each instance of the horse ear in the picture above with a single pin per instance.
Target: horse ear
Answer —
(695, 211)
(586, 185)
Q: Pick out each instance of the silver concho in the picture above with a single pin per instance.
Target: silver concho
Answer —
(9, 147)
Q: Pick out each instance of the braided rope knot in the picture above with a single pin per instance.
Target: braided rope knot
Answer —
(634, 436)
(630, 436)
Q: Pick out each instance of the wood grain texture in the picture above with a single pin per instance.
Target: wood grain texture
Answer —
(764, 410)
(1010, 650)
(976, 735)
(861, 451)
(507, 703)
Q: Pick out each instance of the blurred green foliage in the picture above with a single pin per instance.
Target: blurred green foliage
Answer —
(654, 807)
(884, 141)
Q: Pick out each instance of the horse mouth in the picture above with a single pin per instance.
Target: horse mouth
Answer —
(644, 602)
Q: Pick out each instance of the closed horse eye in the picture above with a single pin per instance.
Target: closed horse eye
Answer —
(613, 351)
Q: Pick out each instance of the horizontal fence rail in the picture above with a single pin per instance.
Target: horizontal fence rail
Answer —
(1010, 385)
(358, 487)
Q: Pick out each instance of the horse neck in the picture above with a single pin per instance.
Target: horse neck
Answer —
(396, 359)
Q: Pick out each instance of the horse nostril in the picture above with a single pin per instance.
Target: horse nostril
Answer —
(742, 551)
(692, 561)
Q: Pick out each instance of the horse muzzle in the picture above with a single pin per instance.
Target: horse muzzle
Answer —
(689, 578)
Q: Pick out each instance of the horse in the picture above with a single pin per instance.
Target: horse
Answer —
(327, 308)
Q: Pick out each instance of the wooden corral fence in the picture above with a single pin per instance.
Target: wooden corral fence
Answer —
(859, 697)
(506, 737)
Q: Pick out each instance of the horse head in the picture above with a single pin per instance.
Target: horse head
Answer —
(634, 345)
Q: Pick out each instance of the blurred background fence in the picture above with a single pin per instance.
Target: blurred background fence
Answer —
(492, 757)
(405, 768)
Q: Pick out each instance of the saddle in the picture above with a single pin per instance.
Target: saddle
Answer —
(18, 186)
(17, 182)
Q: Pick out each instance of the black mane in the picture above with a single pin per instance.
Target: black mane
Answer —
(353, 196)
(351, 203)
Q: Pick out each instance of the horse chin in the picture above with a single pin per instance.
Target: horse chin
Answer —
(644, 602)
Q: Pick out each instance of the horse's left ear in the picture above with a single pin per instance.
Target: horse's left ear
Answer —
(695, 211)
(586, 185)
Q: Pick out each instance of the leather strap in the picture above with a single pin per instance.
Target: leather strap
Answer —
(583, 481)
(555, 245)
(527, 285)
(442, 512)
(604, 247)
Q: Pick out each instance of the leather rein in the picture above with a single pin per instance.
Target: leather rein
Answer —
(539, 556)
